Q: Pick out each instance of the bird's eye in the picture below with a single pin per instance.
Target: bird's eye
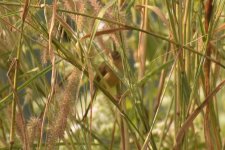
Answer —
(115, 55)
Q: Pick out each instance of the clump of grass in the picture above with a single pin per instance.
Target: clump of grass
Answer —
(172, 78)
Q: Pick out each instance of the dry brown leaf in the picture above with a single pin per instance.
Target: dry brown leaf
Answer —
(195, 113)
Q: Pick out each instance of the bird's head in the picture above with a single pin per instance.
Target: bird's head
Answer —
(115, 55)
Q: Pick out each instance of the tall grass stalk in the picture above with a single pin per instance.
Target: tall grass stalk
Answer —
(170, 88)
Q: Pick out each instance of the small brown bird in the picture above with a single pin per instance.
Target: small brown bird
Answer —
(106, 76)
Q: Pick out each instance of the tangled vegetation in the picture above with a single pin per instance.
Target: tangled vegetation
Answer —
(112, 74)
